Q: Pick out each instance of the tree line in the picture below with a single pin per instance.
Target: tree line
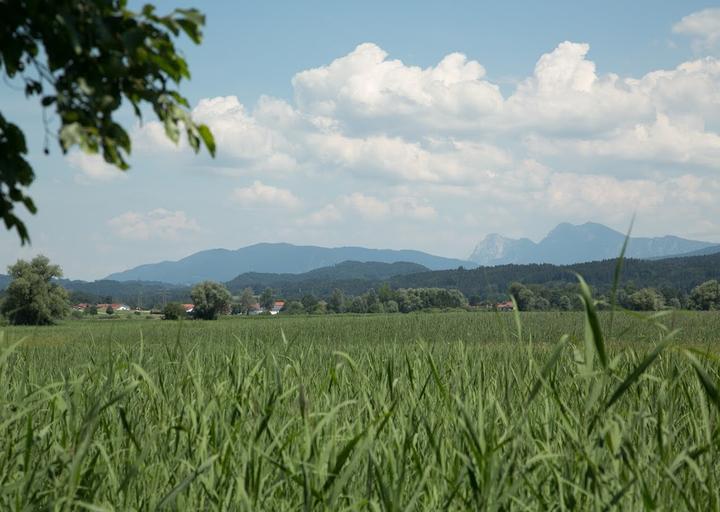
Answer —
(35, 297)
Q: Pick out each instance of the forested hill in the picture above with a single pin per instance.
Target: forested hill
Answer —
(350, 276)
(4, 281)
(681, 274)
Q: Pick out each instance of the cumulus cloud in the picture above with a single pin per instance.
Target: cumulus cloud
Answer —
(93, 167)
(259, 195)
(443, 140)
(365, 84)
(156, 224)
(662, 142)
(373, 116)
(327, 215)
(703, 27)
(371, 209)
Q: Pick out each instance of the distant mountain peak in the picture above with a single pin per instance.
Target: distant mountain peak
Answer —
(575, 243)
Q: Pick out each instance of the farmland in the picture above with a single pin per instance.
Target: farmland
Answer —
(369, 412)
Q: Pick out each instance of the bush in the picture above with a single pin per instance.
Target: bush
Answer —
(294, 307)
(376, 307)
(174, 311)
(706, 296)
(392, 307)
(647, 299)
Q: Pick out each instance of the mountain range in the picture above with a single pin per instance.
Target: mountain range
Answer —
(224, 264)
(568, 244)
(487, 283)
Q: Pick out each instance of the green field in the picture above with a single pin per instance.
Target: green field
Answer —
(376, 412)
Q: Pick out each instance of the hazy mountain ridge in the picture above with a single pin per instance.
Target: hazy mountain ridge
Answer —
(568, 244)
(224, 265)
(706, 251)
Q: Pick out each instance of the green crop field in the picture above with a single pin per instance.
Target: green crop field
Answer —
(439, 411)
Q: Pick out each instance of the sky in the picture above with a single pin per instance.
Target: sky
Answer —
(405, 125)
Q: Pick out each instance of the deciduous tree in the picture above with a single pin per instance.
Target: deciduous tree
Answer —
(85, 59)
(706, 296)
(32, 298)
(210, 299)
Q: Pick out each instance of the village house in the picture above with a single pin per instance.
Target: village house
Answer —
(504, 306)
(279, 304)
(115, 307)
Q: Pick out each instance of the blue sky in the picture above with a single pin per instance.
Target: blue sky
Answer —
(404, 125)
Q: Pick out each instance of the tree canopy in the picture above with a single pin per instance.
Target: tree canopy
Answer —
(210, 299)
(86, 59)
(706, 295)
(32, 298)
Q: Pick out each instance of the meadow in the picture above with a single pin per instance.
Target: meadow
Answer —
(429, 411)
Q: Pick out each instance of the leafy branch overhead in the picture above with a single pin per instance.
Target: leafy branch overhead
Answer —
(85, 59)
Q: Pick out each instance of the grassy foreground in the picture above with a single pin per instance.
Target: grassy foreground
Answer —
(400, 412)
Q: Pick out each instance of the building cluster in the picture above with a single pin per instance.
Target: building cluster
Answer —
(101, 307)
(257, 309)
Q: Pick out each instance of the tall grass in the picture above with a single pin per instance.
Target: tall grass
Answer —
(412, 412)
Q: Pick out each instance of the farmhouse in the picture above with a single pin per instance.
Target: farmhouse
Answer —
(116, 307)
(504, 306)
(279, 304)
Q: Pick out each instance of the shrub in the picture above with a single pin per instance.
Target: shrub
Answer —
(174, 311)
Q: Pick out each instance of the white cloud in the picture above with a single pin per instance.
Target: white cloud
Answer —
(690, 91)
(442, 143)
(259, 195)
(365, 84)
(661, 142)
(702, 26)
(327, 215)
(368, 207)
(376, 117)
(93, 167)
(565, 95)
(371, 209)
(156, 224)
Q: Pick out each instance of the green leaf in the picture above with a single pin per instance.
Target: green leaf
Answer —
(705, 379)
(207, 137)
(593, 332)
(549, 365)
(637, 372)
